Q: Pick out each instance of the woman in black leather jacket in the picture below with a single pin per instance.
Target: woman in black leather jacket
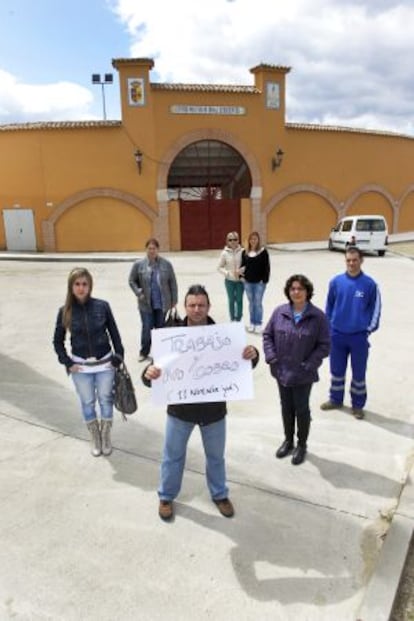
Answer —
(96, 348)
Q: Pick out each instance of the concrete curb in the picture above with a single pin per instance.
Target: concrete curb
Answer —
(382, 589)
(57, 257)
(113, 257)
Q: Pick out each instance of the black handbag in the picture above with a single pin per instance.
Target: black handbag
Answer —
(172, 319)
(125, 400)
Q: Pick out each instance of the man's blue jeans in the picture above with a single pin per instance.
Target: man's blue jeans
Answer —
(149, 320)
(173, 461)
(95, 386)
(255, 292)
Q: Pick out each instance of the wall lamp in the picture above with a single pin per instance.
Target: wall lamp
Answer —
(138, 155)
(277, 159)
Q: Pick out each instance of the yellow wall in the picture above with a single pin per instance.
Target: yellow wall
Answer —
(102, 224)
(406, 219)
(174, 223)
(325, 173)
(302, 216)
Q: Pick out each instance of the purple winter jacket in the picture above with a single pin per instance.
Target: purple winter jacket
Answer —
(295, 351)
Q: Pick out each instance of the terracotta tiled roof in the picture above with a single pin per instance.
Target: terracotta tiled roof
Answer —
(339, 128)
(266, 67)
(205, 88)
(59, 125)
(133, 61)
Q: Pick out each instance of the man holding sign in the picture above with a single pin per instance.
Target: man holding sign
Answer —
(184, 416)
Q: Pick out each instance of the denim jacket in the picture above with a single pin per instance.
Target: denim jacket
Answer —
(92, 331)
(295, 351)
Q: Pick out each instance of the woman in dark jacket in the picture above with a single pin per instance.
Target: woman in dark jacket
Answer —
(256, 273)
(295, 341)
(96, 348)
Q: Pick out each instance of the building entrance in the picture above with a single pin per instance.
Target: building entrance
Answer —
(206, 222)
(208, 178)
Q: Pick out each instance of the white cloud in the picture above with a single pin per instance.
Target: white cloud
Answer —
(351, 60)
(62, 101)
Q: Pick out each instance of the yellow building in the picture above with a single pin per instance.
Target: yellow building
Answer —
(189, 162)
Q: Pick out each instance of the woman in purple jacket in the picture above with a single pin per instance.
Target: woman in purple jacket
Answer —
(295, 341)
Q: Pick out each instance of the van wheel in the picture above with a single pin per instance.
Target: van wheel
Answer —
(330, 246)
(381, 253)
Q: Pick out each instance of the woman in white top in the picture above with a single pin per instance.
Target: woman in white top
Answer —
(230, 266)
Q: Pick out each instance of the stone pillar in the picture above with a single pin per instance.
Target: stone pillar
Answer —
(161, 224)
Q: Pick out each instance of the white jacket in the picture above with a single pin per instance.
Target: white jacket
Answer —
(230, 262)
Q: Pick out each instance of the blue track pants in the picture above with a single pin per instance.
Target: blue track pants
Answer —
(356, 347)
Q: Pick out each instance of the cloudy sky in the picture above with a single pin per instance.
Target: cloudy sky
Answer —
(352, 60)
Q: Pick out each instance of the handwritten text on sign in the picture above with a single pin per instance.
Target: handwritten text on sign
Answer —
(200, 364)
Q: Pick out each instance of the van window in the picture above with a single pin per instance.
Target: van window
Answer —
(347, 226)
(378, 225)
(370, 225)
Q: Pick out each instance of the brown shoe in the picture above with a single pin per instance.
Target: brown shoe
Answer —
(331, 405)
(165, 509)
(225, 507)
(358, 413)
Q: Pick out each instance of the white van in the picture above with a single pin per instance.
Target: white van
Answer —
(369, 233)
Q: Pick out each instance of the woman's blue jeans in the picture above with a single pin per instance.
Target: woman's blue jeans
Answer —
(95, 386)
(255, 292)
(149, 320)
(235, 289)
(177, 434)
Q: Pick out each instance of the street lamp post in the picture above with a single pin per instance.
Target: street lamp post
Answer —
(107, 79)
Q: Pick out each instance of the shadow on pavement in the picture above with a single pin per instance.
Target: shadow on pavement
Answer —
(344, 476)
(274, 559)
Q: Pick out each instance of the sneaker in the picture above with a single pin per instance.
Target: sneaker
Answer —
(250, 328)
(258, 329)
(165, 509)
(331, 405)
(358, 413)
(224, 506)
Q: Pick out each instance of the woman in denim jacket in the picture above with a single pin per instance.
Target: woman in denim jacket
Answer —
(295, 341)
(96, 348)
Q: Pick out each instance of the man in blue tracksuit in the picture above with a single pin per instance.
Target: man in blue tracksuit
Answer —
(353, 307)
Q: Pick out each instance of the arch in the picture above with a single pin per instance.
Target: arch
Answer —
(207, 134)
(374, 187)
(304, 187)
(340, 208)
(184, 141)
(405, 211)
(292, 228)
(48, 226)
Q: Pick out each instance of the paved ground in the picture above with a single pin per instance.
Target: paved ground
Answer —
(81, 539)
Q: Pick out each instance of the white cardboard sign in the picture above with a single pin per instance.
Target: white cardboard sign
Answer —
(200, 364)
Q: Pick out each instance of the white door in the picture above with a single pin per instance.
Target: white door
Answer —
(19, 229)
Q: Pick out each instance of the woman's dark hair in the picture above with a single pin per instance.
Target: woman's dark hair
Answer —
(152, 242)
(305, 282)
(77, 272)
(197, 290)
